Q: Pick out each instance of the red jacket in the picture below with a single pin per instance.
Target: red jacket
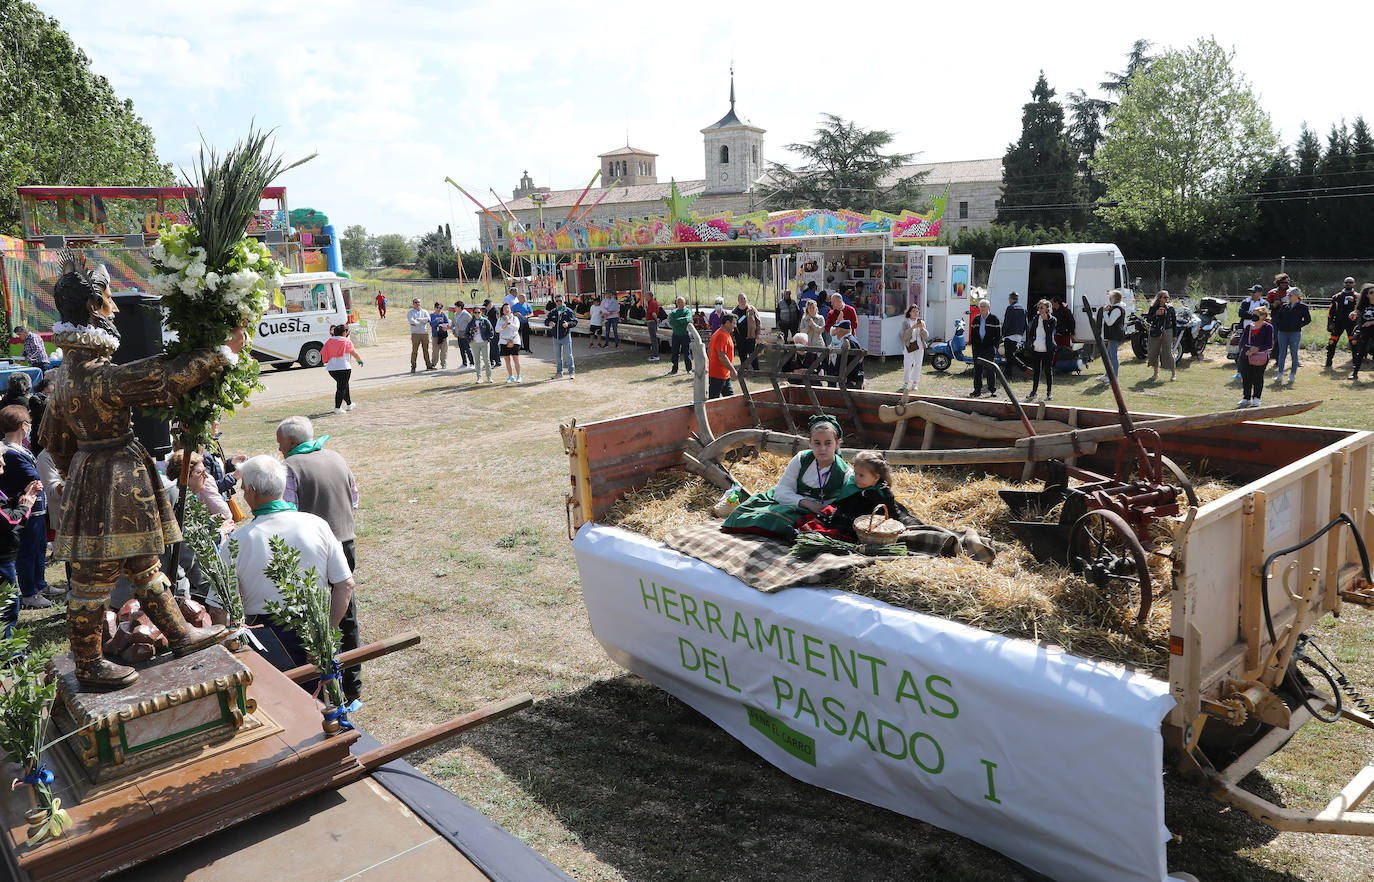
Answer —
(835, 315)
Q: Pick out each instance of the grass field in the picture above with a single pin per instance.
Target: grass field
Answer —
(462, 536)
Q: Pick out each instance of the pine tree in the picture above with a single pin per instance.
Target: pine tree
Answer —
(1334, 175)
(1039, 181)
(1362, 174)
(1305, 218)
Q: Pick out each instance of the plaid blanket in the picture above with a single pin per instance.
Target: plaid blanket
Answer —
(769, 565)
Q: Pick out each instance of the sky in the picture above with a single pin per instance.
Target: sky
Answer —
(396, 96)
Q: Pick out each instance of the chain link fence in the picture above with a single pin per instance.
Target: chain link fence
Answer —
(1231, 279)
(700, 279)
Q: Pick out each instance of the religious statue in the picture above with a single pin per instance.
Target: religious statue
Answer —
(115, 517)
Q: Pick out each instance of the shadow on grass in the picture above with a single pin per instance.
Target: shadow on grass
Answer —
(660, 792)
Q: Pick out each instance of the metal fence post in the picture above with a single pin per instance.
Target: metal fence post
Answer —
(1283, 260)
(1161, 274)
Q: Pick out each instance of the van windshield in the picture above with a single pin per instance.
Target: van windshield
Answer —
(306, 298)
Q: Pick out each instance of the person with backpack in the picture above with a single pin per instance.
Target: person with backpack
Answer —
(1113, 332)
(438, 329)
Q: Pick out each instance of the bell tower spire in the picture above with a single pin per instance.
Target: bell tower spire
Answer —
(732, 87)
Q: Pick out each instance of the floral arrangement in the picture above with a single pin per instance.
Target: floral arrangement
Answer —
(305, 610)
(25, 708)
(212, 279)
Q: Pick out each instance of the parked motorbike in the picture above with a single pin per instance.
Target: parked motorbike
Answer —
(942, 355)
(1193, 330)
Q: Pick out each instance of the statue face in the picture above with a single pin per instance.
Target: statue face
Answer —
(107, 306)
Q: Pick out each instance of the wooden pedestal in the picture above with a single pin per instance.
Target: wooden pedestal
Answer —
(171, 797)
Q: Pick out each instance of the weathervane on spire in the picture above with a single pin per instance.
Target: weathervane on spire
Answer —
(732, 86)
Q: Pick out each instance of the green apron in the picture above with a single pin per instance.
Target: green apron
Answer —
(762, 513)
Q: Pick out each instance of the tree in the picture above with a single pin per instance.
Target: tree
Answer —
(61, 124)
(1039, 172)
(357, 248)
(845, 167)
(1185, 136)
(394, 249)
(1137, 60)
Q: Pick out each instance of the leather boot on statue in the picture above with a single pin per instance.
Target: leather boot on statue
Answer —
(85, 629)
(158, 602)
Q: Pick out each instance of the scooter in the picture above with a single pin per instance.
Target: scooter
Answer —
(942, 355)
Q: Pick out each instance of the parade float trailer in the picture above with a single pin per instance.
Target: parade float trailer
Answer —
(1054, 759)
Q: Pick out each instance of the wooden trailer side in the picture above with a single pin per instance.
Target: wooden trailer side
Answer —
(1218, 627)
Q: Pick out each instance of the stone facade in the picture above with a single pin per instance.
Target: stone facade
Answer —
(975, 186)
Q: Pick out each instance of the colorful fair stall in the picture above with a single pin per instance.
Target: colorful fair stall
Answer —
(885, 260)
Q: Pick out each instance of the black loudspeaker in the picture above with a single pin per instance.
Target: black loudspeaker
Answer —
(140, 335)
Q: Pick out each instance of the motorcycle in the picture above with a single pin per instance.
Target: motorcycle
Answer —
(942, 355)
(1193, 330)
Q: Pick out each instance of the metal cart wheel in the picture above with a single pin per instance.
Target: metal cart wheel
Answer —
(1104, 549)
(1180, 480)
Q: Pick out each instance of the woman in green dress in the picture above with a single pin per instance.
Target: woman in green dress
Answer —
(811, 481)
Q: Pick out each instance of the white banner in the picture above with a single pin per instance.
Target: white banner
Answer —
(1051, 759)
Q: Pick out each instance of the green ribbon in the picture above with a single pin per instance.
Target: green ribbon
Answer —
(274, 505)
(309, 446)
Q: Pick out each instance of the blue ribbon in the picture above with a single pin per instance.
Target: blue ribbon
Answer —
(41, 775)
(341, 713)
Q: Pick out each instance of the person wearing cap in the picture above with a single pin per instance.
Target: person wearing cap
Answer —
(418, 319)
(985, 334)
(842, 339)
(560, 321)
(720, 357)
(1289, 318)
(1338, 319)
(1247, 317)
(713, 321)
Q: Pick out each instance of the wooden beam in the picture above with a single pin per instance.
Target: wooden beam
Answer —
(361, 654)
(375, 759)
(975, 425)
(1251, 556)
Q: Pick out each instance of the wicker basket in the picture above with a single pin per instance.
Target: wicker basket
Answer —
(877, 528)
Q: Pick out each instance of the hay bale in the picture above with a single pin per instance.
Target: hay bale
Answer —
(1017, 595)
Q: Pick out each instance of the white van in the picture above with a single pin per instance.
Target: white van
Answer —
(296, 332)
(1069, 272)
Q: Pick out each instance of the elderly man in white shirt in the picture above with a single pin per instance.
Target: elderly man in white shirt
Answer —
(264, 481)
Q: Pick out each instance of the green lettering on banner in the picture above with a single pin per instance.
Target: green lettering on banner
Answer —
(649, 594)
(810, 653)
(851, 670)
(689, 610)
(953, 708)
(713, 618)
(767, 638)
(991, 795)
(741, 630)
(801, 746)
(668, 604)
(683, 644)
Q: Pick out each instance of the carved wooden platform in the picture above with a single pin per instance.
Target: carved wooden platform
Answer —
(214, 786)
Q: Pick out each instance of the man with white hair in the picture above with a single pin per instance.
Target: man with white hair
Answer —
(984, 335)
(319, 482)
(264, 481)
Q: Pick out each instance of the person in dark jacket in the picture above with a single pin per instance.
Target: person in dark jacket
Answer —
(1289, 318)
(21, 472)
(787, 315)
(1013, 333)
(1256, 346)
(984, 335)
(1040, 348)
(1364, 327)
(1338, 321)
(561, 320)
(1162, 320)
(1064, 322)
(13, 514)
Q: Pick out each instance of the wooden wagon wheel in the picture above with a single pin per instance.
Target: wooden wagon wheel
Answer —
(1104, 549)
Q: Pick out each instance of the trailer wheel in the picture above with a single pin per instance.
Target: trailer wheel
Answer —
(1104, 549)
(940, 361)
(310, 355)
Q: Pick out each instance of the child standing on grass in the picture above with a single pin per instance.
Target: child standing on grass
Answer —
(594, 321)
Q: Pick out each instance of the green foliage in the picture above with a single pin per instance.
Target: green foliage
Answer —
(357, 248)
(25, 700)
(394, 249)
(1187, 132)
(845, 167)
(1039, 171)
(983, 243)
(201, 534)
(305, 610)
(60, 123)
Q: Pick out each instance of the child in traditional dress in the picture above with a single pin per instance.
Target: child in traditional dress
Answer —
(811, 481)
(869, 485)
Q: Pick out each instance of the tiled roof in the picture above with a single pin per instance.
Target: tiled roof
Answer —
(627, 150)
(620, 195)
(960, 171)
